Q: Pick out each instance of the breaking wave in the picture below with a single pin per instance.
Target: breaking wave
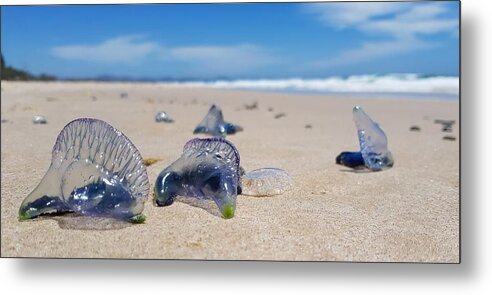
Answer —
(394, 83)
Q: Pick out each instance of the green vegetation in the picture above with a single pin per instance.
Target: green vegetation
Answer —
(11, 73)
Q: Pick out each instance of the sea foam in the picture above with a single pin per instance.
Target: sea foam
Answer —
(393, 83)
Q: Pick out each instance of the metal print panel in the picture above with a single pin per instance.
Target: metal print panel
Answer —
(324, 131)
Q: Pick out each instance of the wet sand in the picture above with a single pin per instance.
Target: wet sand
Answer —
(409, 213)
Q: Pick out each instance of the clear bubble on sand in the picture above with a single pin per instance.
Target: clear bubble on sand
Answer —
(95, 171)
(265, 182)
(374, 153)
(163, 117)
(207, 169)
(214, 124)
(39, 120)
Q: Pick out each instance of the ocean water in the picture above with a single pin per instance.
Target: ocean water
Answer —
(411, 86)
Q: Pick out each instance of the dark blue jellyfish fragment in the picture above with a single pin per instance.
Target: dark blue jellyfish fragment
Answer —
(351, 159)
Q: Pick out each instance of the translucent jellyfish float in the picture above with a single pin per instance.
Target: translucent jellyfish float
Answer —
(214, 124)
(210, 169)
(374, 153)
(163, 117)
(207, 169)
(95, 171)
(265, 182)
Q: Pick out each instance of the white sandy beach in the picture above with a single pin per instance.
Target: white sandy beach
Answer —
(409, 213)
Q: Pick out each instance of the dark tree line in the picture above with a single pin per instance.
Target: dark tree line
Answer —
(11, 73)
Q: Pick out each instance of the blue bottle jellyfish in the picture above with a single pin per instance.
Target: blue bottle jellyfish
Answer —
(374, 153)
(163, 117)
(95, 171)
(39, 120)
(207, 169)
(214, 124)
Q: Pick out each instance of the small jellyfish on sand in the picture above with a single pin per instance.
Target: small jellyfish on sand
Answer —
(39, 120)
(374, 153)
(447, 125)
(124, 94)
(207, 169)
(214, 124)
(95, 171)
(163, 117)
(265, 182)
(252, 106)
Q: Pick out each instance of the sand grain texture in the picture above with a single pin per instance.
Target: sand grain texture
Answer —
(409, 213)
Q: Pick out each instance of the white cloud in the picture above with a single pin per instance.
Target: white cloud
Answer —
(127, 49)
(344, 15)
(372, 50)
(420, 19)
(402, 24)
(212, 59)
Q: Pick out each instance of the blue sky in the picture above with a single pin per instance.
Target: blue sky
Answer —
(266, 40)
